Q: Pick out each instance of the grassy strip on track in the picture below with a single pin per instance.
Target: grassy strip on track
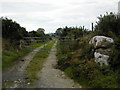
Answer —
(9, 57)
(36, 63)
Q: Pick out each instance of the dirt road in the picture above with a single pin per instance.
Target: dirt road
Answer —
(14, 76)
(51, 77)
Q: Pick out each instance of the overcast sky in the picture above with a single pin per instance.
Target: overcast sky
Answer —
(52, 14)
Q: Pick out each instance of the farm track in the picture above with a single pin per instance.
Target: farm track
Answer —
(50, 77)
(15, 75)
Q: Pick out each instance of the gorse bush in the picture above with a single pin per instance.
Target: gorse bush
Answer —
(106, 23)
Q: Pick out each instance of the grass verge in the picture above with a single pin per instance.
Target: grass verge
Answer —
(36, 63)
(10, 56)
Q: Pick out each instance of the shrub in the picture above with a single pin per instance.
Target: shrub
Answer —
(118, 79)
(87, 52)
(70, 72)
(63, 62)
(74, 45)
(115, 58)
(102, 81)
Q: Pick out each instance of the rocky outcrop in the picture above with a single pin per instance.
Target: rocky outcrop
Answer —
(102, 49)
(101, 58)
(101, 42)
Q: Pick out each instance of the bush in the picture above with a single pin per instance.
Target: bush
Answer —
(74, 45)
(115, 59)
(102, 81)
(87, 52)
(63, 62)
(106, 23)
(70, 72)
(86, 49)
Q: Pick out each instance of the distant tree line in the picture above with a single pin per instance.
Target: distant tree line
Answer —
(13, 32)
(71, 32)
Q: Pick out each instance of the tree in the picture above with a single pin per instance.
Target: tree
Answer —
(12, 30)
(71, 32)
(107, 23)
(40, 30)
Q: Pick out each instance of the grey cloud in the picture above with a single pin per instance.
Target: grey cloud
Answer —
(50, 15)
(23, 7)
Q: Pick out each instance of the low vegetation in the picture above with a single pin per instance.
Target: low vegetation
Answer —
(75, 55)
(76, 59)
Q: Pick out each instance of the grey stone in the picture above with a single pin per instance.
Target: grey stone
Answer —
(102, 47)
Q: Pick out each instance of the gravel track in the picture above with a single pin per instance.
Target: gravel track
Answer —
(15, 75)
(51, 77)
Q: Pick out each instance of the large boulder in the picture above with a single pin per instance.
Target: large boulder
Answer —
(101, 42)
(101, 58)
(102, 49)
(107, 51)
